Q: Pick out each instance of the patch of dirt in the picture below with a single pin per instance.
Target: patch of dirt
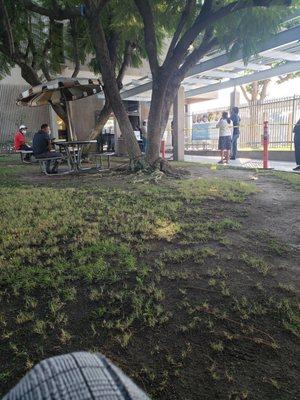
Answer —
(274, 208)
(223, 340)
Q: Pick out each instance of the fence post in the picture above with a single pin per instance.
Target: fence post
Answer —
(266, 145)
(293, 120)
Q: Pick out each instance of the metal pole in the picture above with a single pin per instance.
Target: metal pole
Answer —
(69, 120)
(68, 110)
(293, 117)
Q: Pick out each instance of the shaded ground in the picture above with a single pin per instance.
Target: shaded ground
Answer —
(190, 286)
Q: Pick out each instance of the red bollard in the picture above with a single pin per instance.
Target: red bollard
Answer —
(266, 145)
(163, 149)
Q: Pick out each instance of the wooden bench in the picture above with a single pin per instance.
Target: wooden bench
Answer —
(99, 157)
(23, 153)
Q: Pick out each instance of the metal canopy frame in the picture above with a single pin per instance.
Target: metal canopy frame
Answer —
(222, 71)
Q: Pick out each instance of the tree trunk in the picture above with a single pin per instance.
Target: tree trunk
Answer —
(61, 112)
(103, 118)
(161, 102)
(109, 79)
(29, 74)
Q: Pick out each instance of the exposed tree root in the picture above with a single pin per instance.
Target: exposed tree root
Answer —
(160, 165)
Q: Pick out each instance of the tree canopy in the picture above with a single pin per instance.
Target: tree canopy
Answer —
(191, 30)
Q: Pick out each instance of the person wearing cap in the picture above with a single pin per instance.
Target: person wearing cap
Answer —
(20, 142)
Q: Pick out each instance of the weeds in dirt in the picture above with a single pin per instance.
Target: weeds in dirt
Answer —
(148, 273)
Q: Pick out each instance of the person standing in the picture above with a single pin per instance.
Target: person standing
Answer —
(42, 148)
(20, 142)
(224, 126)
(296, 131)
(144, 133)
(236, 120)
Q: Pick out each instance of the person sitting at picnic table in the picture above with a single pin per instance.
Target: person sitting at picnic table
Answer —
(224, 126)
(20, 142)
(42, 148)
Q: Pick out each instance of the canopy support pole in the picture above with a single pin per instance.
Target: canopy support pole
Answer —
(70, 127)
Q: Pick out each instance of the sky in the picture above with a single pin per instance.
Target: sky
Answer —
(286, 89)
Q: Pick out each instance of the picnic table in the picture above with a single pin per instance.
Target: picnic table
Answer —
(74, 150)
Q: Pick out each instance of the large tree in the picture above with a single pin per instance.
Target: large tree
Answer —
(195, 28)
(95, 15)
(124, 39)
(201, 27)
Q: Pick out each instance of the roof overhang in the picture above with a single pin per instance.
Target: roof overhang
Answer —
(279, 55)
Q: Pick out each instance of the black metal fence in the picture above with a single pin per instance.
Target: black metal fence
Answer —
(282, 114)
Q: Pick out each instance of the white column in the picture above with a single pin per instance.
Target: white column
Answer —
(53, 123)
(117, 132)
(188, 120)
(178, 123)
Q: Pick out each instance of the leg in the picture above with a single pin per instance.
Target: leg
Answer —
(234, 146)
(27, 148)
(297, 148)
(48, 167)
(222, 157)
(227, 154)
(51, 165)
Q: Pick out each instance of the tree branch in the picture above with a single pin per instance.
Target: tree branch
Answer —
(74, 34)
(55, 12)
(44, 66)
(263, 93)
(287, 77)
(8, 30)
(245, 94)
(126, 61)
(146, 13)
(102, 4)
(208, 43)
(113, 47)
(207, 18)
(181, 23)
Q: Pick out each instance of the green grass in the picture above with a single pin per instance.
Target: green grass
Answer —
(293, 179)
(161, 273)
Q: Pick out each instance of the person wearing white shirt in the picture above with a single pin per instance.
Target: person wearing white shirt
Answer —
(225, 128)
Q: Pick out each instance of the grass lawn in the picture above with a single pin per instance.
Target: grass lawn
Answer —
(190, 286)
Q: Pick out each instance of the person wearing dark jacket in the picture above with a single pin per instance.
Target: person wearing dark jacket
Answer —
(42, 148)
(296, 131)
(235, 118)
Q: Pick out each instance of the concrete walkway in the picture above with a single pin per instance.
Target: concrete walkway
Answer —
(243, 162)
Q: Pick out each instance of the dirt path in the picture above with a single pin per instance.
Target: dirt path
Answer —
(274, 208)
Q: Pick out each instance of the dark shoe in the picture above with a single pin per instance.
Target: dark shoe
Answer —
(297, 168)
(232, 158)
